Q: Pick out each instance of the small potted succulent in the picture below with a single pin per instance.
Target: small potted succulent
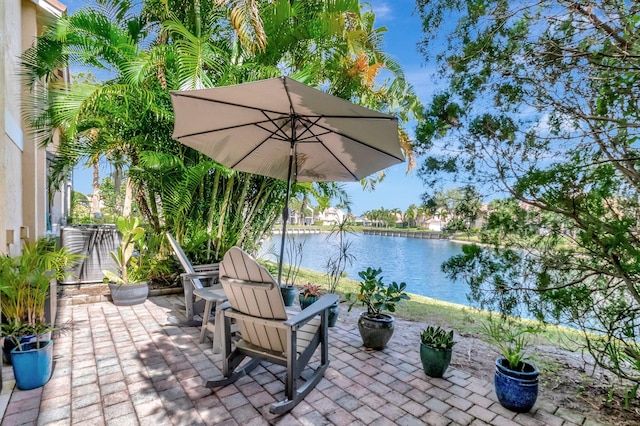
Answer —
(436, 346)
(310, 294)
(376, 327)
(129, 286)
(516, 379)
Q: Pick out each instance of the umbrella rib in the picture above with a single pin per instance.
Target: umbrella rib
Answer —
(278, 128)
(361, 143)
(200, 98)
(283, 135)
(237, 126)
(341, 163)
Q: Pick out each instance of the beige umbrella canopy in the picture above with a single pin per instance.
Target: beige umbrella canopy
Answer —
(287, 130)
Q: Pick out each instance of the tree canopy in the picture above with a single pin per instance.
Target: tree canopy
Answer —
(141, 52)
(542, 105)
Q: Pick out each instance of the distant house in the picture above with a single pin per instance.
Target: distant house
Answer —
(362, 221)
(297, 219)
(331, 216)
(435, 224)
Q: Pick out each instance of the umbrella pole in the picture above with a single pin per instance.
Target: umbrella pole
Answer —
(285, 216)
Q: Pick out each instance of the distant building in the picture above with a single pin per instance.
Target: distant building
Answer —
(435, 224)
(296, 219)
(362, 221)
(26, 208)
(331, 216)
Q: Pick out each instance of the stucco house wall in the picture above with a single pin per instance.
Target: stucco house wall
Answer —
(24, 205)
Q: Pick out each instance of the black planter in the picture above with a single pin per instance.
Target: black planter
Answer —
(516, 390)
(129, 294)
(9, 344)
(288, 294)
(375, 332)
(434, 361)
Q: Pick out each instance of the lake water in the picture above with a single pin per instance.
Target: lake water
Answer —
(412, 260)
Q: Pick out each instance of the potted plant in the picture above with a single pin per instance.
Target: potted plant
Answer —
(129, 287)
(376, 327)
(337, 263)
(294, 254)
(436, 346)
(516, 379)
(310, 294)
(24, 288)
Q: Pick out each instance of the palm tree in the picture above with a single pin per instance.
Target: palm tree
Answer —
(179, 44)
(410, 215)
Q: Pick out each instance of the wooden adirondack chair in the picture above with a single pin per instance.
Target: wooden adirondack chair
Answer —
(193, 286)
(267, 332)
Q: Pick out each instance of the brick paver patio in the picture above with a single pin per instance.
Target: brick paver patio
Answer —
(132, 366)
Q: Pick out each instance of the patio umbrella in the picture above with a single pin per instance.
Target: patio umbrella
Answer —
(284, 129)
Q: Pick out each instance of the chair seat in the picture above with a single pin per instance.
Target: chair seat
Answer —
(211, 293)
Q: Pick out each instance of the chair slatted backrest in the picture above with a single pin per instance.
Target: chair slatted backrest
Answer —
(184, 261)
(252, 290)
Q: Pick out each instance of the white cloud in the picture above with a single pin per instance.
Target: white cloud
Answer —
(382, 10)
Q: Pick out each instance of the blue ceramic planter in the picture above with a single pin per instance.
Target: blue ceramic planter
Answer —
(288, 295)
(32, 366)
(307, 301)
(516, 390)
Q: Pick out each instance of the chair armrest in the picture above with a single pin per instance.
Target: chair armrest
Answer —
(203, 274)
(312, 310)
(208, 267)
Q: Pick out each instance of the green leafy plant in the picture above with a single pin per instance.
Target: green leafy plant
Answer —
(24, 287)
(511, 339)
(131, 267)
(437, 338)
(375, 295)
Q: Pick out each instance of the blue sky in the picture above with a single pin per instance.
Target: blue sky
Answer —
(399, 189)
